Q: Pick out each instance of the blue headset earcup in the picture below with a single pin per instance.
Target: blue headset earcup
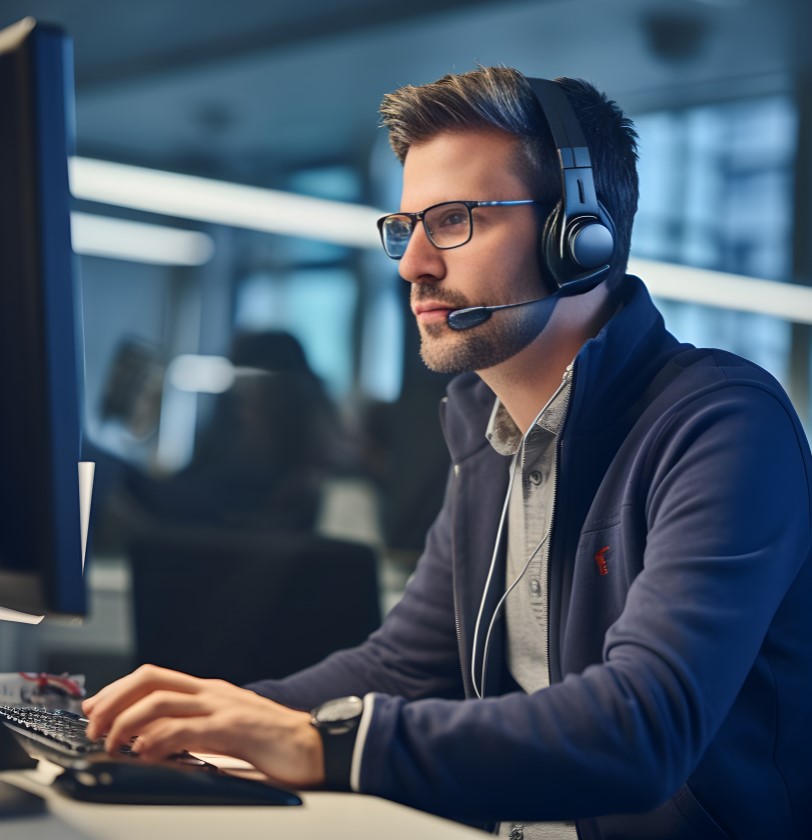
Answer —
(586, 243)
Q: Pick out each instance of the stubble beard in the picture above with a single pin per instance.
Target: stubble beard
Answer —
(444, 350)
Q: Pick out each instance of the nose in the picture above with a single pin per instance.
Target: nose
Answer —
(422, 262)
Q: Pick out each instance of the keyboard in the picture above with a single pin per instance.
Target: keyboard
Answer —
(58, 733)
(93, 775)
(61, 737)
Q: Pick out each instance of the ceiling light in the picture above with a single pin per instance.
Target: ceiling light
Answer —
(121, 239)
(789, 301)
(220, 202)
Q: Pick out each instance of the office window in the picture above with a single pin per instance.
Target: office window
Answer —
(716, 192)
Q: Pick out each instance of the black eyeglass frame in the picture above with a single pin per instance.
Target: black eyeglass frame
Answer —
(469, 206)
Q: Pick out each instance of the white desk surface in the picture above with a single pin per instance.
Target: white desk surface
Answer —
(324, 816)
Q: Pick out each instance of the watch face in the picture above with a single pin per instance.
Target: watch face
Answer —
(338, 715)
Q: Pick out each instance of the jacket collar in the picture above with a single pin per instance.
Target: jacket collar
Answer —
(612, 369)
(634, 339)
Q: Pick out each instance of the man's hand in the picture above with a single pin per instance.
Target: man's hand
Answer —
(170, 711)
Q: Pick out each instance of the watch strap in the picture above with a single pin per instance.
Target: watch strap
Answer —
(337, 722)
(338, 750)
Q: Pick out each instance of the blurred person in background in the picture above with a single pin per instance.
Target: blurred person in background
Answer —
(272, 440)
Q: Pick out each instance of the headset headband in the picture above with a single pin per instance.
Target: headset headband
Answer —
(577, 181)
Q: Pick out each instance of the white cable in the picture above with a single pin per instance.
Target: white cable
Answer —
(490, 575)
(502, 600)
(481, 690)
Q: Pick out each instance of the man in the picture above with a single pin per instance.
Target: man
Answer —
(608, 633)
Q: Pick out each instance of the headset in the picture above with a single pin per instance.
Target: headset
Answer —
(578, 237)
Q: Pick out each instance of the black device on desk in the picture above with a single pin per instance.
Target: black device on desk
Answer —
(133, 782)
(92, 775)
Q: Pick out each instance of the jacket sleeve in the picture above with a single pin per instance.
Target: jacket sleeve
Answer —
(413, 654)
(727, 511)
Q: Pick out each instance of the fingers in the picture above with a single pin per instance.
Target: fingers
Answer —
(140, 719)
(172, 735)
(102, 709)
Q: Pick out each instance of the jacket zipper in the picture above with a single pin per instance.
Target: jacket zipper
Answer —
(568, 374)
(468, 688)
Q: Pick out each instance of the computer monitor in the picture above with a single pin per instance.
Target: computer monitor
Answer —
(41, 563)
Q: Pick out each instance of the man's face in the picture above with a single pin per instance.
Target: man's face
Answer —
(499, 264)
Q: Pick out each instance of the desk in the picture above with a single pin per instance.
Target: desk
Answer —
(324, 816)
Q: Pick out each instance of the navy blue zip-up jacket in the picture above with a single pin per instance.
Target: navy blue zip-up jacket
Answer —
(680, 613)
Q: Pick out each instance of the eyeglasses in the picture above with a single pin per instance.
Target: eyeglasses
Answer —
(447, 225)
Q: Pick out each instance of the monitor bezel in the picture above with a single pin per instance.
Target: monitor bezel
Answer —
(36, 89)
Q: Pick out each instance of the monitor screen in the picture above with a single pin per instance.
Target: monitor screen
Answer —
(40, 533)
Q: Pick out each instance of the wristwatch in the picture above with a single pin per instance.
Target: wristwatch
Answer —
(337, 722)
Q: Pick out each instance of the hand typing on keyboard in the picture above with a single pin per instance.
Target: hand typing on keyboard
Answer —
(169, 711)
(63, 735)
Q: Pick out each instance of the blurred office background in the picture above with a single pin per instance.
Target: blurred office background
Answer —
(219, 311)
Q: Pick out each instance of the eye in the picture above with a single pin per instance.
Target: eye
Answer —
(450, 217)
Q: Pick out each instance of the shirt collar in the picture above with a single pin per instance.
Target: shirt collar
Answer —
(505, 436)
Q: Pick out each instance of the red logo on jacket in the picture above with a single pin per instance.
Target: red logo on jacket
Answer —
(600, 561)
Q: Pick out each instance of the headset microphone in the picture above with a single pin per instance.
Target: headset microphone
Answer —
(473, 316)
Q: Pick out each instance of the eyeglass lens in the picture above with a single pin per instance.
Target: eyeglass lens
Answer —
(447, 226)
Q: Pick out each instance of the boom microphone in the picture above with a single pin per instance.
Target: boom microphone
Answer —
(473, 316)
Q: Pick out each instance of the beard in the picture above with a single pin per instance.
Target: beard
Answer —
(445, 350)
